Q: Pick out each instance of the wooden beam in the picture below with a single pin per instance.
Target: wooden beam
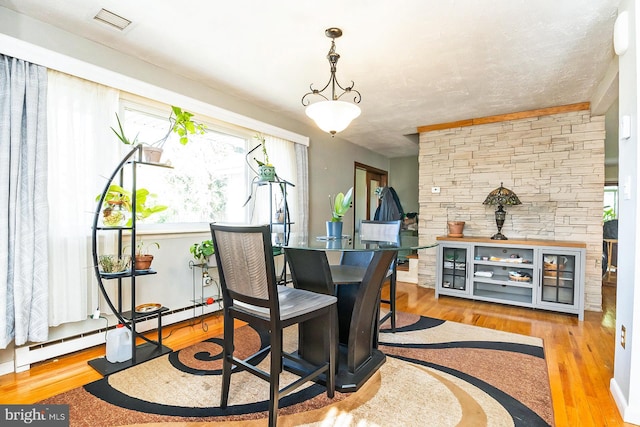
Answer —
(450, 125)
(507, 117)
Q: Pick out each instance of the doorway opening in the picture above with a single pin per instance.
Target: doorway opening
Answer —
(365, 201)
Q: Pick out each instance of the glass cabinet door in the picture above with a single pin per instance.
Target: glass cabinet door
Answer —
(558, 278)
(454, 268)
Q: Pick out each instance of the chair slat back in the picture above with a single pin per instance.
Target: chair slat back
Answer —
(243, 266)
(356, 258)
(385, 231)
(310, 270)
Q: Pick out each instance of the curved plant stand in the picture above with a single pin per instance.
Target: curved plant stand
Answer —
(151, 348)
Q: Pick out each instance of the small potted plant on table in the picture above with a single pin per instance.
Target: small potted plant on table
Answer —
(339, 206)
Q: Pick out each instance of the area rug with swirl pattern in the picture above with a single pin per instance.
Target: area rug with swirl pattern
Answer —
(437, 373)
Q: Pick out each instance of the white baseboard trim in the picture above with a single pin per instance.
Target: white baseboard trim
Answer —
(410, 276)
(629, 414)
(25, 356)
(6, 367)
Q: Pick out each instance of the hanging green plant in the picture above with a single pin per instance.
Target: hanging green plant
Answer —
(180, 122)
(184, 126)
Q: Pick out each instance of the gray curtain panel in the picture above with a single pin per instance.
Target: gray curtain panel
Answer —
(23, 202)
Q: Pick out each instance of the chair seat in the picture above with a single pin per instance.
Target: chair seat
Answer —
(293, 303)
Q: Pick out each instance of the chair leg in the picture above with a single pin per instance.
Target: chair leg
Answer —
(332, 348)
(392, 301)
(274, 376)
(227, 355)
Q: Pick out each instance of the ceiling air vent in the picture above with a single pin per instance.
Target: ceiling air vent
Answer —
(112, 19)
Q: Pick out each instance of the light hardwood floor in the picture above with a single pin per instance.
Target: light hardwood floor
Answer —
(579, 354)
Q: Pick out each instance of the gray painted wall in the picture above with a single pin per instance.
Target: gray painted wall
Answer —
(403, 177)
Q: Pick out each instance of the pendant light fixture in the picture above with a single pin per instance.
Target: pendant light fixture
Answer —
(333, 115)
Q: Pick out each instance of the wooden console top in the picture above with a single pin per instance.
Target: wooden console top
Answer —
(515, 241)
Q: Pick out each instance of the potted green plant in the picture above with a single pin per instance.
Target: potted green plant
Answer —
(115, 208)
(339, 205)
(184, 125)
(180, 122)
(118, 206)
(266, 171)
(114, 263)
(143, 258)
(202, 251)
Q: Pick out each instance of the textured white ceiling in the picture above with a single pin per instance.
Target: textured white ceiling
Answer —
(416, 62)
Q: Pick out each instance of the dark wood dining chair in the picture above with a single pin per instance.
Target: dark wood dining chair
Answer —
(310, 270)
(385, 232)
(250, 293)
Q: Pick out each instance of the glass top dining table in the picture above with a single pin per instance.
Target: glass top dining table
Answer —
(355, 243)
(357, 289)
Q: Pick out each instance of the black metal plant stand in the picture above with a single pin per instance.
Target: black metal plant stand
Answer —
(149, 349)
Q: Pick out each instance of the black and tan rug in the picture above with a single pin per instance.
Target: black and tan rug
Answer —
(437, 373)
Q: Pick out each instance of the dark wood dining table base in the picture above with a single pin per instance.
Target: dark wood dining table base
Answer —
(358, 309)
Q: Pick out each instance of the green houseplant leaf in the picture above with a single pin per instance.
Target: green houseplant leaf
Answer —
(203, 250)
(116, 193)
(184, 125)
(340, 205)
(121, 136)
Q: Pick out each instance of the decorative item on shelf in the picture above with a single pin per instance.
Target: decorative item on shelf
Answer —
(202, 251)
(455, 228)
(148, 307)
(114, 263)
(114, 213)
(501, 196)
(117, 206)
(519, 276)
(180, 122)
(554, 265)
(333, 115)
(339, 206)
(151, 154)
(278, 217)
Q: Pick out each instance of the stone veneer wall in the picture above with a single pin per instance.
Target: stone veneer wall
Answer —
(554, 163)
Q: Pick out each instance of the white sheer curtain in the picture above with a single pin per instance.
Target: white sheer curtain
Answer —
(282, 155)
(82, 150)
(23, 202)
(302, 179)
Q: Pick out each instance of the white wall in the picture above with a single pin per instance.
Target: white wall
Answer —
(625, 385)
(611, 144)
